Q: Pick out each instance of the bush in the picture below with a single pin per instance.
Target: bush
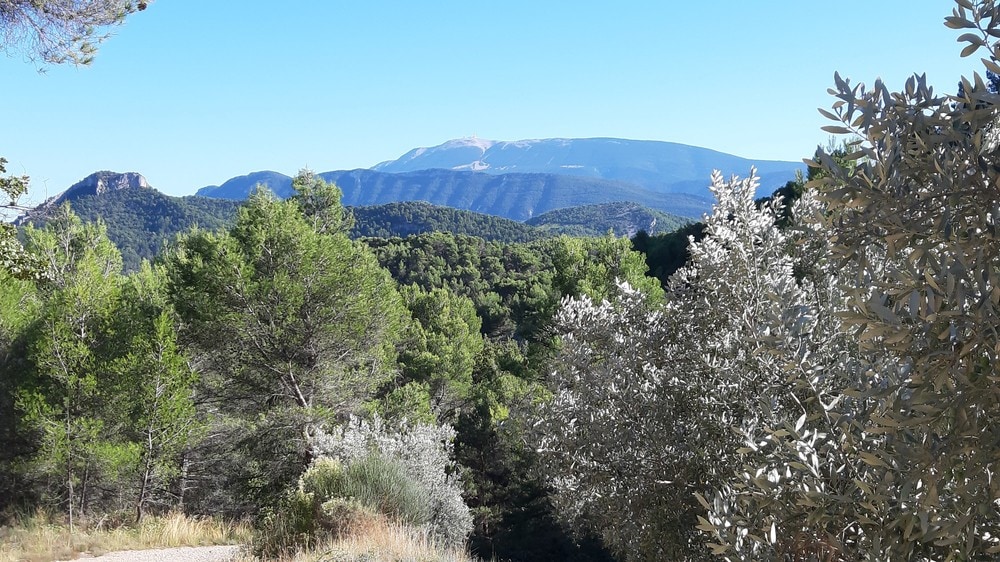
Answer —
(382, 484)
(333, 500)
(423, 451)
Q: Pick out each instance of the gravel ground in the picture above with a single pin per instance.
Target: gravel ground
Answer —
(182, 554)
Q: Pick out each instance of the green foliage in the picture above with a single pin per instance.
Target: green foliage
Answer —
(13, 259)
(622, 218)
(314, 512)
(514, 287)
(69, 401)
(595, 267)
(163, 417)
(142, 221)
(439, 348)
(383, 485)
(504, 282)
(96, 337)
(292, 323)
(416, 217)
(666, 253)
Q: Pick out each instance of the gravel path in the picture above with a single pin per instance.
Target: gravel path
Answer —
(182, 554)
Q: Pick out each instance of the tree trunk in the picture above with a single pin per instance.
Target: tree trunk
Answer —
(69, 474)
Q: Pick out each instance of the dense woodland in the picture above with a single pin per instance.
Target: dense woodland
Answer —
(202, 380)
(811, 376)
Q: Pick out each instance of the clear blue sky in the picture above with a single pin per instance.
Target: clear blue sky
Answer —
(192, 92)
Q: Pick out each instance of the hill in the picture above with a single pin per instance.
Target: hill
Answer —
(622, 217)
(417, 217)
(663, 167)
(140, 220)
(241, 187)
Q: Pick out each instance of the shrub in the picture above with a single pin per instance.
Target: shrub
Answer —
(333, 500)
(423, 451)
(383, 485)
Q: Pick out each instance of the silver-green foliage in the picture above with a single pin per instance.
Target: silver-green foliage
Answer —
(332, 498)
(645, 396)
(901, 463)
(424, 451)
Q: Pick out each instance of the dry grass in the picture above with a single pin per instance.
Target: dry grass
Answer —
(378, 541)
(43, 538)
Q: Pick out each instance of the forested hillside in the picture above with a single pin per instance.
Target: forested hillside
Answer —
(622, 218)
(140, 222)
(452, 325)
(417, 217)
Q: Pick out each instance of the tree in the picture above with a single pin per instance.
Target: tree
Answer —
(290, 322)
(69, 402)
(645, 395)
(59, 31)
(437, 353)
(160, 381)
(897, 462)
(13, 259)
(18, 311)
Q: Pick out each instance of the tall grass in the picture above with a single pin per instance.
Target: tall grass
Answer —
(377, 540)
(44, 538)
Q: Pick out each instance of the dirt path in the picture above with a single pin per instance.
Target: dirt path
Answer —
(182, 554)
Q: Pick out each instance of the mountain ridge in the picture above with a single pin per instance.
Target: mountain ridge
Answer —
(661, 166)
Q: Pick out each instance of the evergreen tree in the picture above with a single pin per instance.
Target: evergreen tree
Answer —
(291, 323)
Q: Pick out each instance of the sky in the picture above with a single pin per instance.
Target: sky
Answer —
(190, 93)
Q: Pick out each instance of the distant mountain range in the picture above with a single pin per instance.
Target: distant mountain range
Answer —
(664, 167)
(522, 179)
(513, 196)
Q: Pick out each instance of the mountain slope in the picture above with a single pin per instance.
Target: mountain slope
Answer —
(622, 218)
(241, 187)
(659, 166)
(139, 219)
(514, 196)
(417, 217)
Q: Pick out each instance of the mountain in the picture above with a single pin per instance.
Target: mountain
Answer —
(664, 167)
(239, 188)
(622, 218)
(100, 183)
(513, 196)
(139, 219)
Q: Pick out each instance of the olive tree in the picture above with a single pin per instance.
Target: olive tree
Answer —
(901, 462)
(645, 396)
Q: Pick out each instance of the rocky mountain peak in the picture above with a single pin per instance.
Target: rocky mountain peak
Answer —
(103, 182)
